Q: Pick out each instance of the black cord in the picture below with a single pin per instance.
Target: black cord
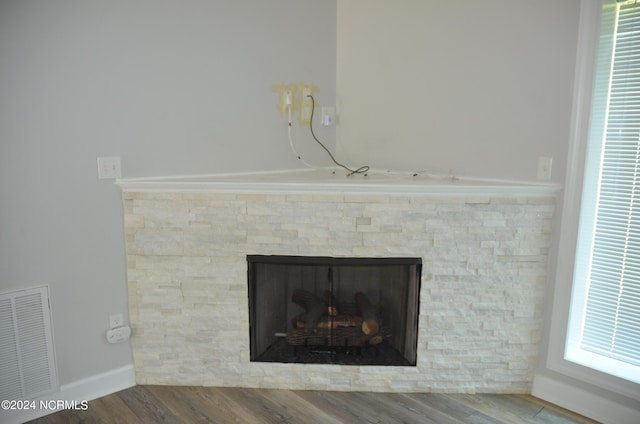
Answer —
(360, 170)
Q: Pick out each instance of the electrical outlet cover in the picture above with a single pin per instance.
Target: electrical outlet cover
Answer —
(109, 167)
(116, 320)
(544, 168)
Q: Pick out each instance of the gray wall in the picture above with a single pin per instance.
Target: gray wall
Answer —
(476, 88)
(173, 87)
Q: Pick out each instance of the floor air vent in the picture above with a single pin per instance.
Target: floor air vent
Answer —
(27, 367)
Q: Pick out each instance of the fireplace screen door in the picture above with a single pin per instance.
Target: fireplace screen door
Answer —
(351, 311)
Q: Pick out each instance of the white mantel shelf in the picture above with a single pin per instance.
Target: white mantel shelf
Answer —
(337, 182)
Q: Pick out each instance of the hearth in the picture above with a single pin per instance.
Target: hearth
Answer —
(328, 310)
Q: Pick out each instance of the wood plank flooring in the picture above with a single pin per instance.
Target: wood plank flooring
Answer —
(183, 404)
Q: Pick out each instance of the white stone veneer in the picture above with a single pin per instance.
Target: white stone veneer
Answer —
(484, 277)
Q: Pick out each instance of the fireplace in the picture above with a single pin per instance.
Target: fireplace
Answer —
(484, 251)
(327, 310)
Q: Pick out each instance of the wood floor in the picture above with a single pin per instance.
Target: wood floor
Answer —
(175, 404)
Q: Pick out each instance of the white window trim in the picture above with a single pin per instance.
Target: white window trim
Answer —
(587, 50)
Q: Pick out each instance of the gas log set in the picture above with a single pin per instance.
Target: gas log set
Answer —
(327, 322)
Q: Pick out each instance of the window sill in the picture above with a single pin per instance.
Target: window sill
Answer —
(604, 364)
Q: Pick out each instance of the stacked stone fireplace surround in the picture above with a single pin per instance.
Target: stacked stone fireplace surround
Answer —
(481, 303)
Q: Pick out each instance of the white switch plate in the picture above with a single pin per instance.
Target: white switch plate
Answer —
(109, 167)
(544, 168)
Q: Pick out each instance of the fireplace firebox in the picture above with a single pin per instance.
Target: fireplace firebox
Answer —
(328, 310)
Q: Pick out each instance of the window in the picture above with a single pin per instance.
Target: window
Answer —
(604, 321)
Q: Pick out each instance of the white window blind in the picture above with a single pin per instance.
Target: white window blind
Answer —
(606, 314)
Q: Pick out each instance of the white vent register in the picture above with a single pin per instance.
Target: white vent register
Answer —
(27, 366)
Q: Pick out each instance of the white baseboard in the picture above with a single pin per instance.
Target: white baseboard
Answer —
(76, 393)
(582, 402)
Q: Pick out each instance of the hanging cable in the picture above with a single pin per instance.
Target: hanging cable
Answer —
(361, 170)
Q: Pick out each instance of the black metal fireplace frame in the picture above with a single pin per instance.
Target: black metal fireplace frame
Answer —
(329, 261)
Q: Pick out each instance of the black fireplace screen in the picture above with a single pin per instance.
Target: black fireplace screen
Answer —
(351, 311)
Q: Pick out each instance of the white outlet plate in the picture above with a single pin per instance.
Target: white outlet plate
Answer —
(109, 167)
(544, 168)
(305, 105)
(116, 320)
(328, 116)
